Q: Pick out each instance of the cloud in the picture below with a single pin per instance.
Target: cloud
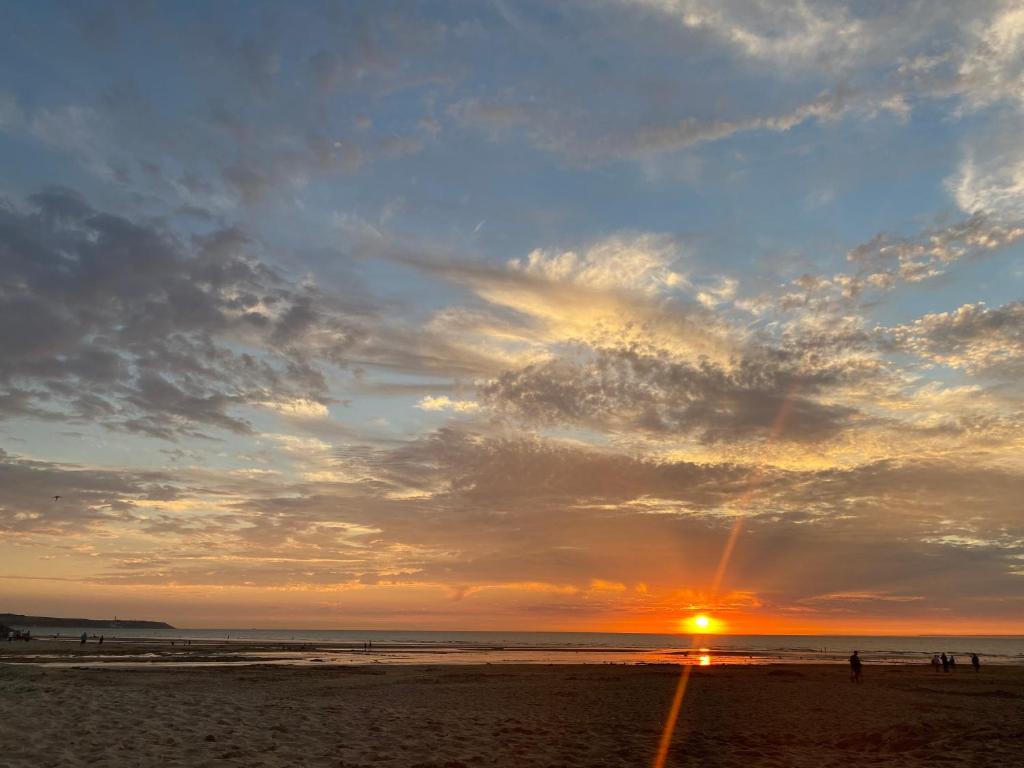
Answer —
(445, 403)
(799, 32)
(571, 530)
(990, 181)
(258, 122)
(592, 507)
(885, 261)
(974, 338)
(628, 390)
(583, 138)
(91, 498)
(641, 263)
(121, 323)
(621, 288)
(863, 60)
(301, 408)
(993, 69)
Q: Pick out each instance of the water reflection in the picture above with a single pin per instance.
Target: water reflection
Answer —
(705, 660)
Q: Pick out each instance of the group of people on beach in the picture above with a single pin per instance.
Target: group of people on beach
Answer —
(948, 664)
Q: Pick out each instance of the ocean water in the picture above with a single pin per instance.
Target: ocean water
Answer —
(287, 646)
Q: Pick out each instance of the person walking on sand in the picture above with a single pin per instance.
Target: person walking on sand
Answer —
(945, 662)
(855, 667)
(975, 662)
(83, 638)
(952, 663)
(935, 662)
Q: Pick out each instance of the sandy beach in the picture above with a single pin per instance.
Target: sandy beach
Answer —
(503, 715)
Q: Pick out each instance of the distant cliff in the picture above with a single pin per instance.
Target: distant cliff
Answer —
(17, 620)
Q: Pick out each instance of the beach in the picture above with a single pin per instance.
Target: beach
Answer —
(501, 715)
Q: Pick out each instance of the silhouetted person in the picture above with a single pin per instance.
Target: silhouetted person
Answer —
(975, 662)
(952, 663)
(945, 662)
(101, 639)
(935, 662)
(855, 667)
(83, 638)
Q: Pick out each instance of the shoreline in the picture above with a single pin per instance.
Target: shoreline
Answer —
(155, 652)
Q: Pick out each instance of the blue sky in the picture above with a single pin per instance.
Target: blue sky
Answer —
(293, 290)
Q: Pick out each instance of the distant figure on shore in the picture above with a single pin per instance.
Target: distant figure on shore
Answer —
(83, 638)
(945, 662)
(936, 662)
(855, 667)
(952, 663)
(975, 662)
(101, 639)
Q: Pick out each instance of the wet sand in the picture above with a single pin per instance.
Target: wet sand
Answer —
(498, 715)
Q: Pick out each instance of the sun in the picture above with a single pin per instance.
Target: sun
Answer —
(700, 624)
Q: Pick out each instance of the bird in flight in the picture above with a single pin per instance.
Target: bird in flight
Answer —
(56, 498)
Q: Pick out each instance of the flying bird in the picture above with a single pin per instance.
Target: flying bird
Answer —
(56, 498)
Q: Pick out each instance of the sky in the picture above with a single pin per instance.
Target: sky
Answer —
(512, 315)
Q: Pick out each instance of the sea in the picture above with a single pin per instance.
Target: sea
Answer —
(312, 647)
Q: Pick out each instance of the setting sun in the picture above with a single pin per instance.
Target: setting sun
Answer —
(701, 624)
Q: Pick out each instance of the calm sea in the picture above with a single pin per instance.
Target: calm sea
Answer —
(446, 647)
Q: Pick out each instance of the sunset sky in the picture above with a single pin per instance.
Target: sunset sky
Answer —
(500, 315)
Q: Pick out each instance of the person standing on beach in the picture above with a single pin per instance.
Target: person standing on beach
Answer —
(975, 662)
(945, 662)
(935, 662)
(855, 667)
(83, 638)
(952, 663)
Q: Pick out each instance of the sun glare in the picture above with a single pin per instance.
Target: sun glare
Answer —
(700, 624)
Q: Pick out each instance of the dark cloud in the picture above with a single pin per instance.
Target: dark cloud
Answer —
(474, 467)
(119, 322)
(90, 498)
(624, 389)
(466, 510)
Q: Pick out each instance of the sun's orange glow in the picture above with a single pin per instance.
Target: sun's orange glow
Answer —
(705, 660)
(701, 624)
